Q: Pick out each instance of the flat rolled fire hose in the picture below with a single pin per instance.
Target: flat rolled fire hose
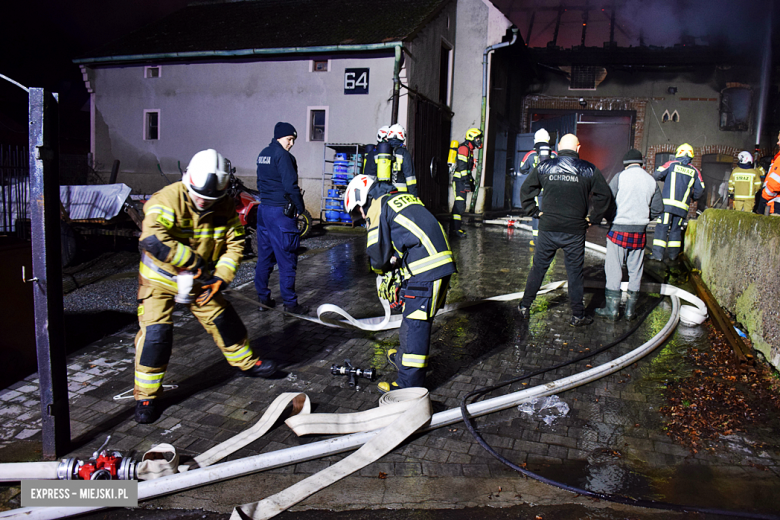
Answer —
(409, 410)
(284, 457)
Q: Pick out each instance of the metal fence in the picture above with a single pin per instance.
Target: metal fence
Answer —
(14, 191)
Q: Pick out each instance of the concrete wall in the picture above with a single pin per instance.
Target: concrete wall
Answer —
(739, 257)
(233, 108)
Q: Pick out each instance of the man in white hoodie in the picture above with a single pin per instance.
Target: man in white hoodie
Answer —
(638, 201)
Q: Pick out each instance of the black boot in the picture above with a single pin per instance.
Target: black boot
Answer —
(611, 310)
(633, 296)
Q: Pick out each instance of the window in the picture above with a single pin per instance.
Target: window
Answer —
(319, 66)
(735, 109)
(585, 77)
(318, 120)
(151, 125)
(152, 71)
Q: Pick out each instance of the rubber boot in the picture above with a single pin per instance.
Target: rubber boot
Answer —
(611, 309)
(633, 296)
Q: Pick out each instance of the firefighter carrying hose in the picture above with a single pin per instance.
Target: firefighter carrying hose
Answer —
(541, 152)
(408, 246)
(191, 231)
(462, 180)
(682, 183)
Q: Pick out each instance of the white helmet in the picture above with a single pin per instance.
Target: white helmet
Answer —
(381, 134)
(541, 136)
(745, 157)
(207, 175)
(357, 192)
(397, 132)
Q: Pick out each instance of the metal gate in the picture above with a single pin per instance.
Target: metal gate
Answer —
(431, 134)
(14, 191)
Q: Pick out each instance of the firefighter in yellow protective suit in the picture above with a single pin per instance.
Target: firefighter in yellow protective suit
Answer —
(744, 182)
(190, 231)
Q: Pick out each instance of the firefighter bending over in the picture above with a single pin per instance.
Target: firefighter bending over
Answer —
(190, 230)
(462, 180)
(408, 246)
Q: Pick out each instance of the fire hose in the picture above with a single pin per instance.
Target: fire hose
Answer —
(271, 506)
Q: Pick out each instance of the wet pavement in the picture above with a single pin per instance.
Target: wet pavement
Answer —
(612, 440)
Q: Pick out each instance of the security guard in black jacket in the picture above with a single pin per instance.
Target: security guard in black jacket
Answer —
(405, 243)
(568, 183)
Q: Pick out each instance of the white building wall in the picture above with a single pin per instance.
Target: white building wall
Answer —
(233, 108)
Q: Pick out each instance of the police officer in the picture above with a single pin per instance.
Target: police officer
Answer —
(369, 164)
(462, 180)
(277, 230)
(402, 174)
(568, 183)
(682, 183)
(403, 235)
(541, 152)
(189, 228)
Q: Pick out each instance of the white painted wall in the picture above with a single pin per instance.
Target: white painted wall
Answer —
(233, 108)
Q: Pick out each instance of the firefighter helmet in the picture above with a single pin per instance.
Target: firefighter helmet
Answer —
(207, 175)
(684, 149)
(397, 132)
(745, 157)
(381, 134)
(357, 192)
(475, 135)
(541, 136)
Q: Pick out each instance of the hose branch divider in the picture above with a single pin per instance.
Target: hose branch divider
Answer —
(397, 431)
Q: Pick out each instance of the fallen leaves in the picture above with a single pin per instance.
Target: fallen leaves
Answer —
(717, 399)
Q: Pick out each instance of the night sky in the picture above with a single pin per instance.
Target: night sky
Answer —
(40, 38)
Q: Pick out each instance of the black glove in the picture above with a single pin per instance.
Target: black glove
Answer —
(469, 180)
(210, 287)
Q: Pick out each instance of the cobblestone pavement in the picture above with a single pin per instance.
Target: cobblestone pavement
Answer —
(611, 440)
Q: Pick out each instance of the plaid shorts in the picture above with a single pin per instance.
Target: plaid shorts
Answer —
(629, 241)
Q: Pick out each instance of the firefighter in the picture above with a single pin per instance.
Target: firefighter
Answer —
(744, 182)
(189, 227)
(462, 180)
(369, 164)
(682, 184)
(771, 192)
(541, 152)
(408, 246)
(401, 173)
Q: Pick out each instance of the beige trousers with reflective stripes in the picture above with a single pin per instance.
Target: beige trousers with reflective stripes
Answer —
(154, 341)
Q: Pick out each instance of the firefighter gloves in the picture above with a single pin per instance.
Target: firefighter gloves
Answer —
(390, 287)
(210, 288)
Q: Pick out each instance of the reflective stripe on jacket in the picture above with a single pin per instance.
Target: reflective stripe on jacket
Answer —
(399, 225)
(682, 183)
(174, 234)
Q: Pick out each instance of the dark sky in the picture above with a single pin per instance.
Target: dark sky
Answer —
(40, 38)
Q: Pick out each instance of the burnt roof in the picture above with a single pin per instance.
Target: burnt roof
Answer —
(274, 24)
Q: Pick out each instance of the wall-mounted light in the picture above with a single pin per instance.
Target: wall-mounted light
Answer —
(672, 90)
(583, 102)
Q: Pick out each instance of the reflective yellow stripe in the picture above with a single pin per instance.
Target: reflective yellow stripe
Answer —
(677, 203)
(417, 232)
(145, 380)
(151, 273)
(413, 360)
(411, 181)
(401, 187)
(373, 237)
(431, 262)
(239, 355)
(162, 210)
(456, 216)
(227, 262)
(659, 242)
(674, 244)
(183, 255)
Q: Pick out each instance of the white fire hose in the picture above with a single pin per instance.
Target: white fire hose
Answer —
(394, 429)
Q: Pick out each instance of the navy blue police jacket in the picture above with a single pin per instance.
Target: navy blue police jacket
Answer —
(277, 175)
